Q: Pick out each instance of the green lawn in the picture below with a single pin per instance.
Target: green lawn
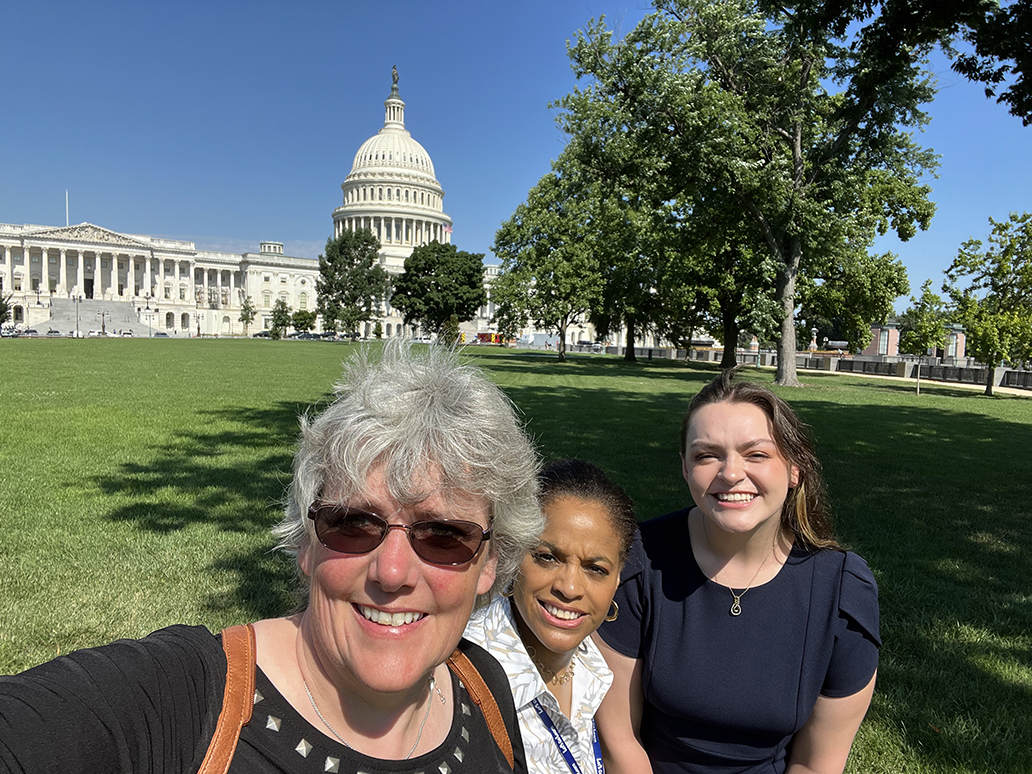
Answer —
(140, 479)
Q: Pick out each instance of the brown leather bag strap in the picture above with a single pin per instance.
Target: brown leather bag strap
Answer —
(481, 695)
(237, 701)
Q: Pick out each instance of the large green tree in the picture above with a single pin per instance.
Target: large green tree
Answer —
(280, 319)
(720, 100)
(550, 272)
(923, 326)
(990, 291)
(352, 284)
(303, 320)
(247, 313)
(439, 281)
(5, 308)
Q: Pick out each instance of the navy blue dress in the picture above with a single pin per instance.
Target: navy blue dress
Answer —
(725, 694)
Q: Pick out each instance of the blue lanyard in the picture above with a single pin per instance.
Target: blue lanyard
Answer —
(561, 743)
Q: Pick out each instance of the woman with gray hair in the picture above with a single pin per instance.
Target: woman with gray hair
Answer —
(413, 496)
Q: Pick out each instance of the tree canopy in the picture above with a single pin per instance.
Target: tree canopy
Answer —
(439, 281)
(247, 313)
(352, 284)
(550, 270)
(988, 41)
(990, 291)
(715, 106)
(281, 318)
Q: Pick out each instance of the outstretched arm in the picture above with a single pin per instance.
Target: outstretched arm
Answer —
(619, 717)
(822, 745)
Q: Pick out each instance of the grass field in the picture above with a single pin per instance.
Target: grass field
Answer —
(140, 478)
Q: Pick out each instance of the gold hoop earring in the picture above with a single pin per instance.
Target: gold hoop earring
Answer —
(614, 613)
(507, 592)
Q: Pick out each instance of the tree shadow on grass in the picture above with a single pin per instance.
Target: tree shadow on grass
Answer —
(231, 477)
(935, 499)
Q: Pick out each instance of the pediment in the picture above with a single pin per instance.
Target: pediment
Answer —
(89, 234)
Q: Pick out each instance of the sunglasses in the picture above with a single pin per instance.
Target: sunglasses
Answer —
(435, 541)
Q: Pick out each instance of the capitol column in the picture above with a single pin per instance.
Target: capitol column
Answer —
(80, 281)
(8, 268)
(218, 286)
(44, 270)
(130, 276)
(232, 287)
(147, 276)
(62, 273)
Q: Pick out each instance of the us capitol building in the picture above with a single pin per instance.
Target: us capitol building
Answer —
(88, 277)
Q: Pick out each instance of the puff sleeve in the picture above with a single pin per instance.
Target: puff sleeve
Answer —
(855, 653)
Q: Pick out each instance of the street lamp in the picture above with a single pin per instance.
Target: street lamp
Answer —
(103, 327)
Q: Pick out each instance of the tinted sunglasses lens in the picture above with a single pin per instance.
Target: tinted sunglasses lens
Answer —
(347, 530)
(446, 542)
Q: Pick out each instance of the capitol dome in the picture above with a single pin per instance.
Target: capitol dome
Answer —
(393, 150)
(393, 191)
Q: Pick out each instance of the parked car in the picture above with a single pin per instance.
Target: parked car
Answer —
(127, 334)
(261, 335)
(161, 335)
(53, 333)
(29, 332)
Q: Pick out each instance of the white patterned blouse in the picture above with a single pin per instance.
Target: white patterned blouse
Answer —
(495, 630)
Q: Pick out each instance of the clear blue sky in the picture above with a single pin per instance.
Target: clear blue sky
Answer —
(227, 123)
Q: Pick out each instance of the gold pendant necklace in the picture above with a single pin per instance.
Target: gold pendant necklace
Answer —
(736, 604)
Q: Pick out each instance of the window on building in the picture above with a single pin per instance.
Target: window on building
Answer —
(397, 194)
(17, 283)
(267, 279)
(380, 197)
(883, 342)
(283, 297)
(388, 194)
(283, 279)
(182, 293)
(951, 346)
(170, 320)
(266, 299)
(302, 301)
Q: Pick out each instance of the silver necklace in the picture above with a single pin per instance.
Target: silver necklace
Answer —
(343, 741)
(736, 604)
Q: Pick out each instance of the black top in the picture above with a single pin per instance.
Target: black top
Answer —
(151, 705)
(725, 693)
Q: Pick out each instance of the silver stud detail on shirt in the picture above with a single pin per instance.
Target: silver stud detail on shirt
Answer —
(332, 764)
(444, 768)
(273, 723)
(257, 696)
(458, 754)
(303, 748)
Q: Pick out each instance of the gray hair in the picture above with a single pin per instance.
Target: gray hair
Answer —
(418, 412)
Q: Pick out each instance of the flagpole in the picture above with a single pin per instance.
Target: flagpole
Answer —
(66, 207)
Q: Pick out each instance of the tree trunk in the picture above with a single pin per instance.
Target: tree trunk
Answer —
(990, 374)
(730, 327)
(918, 377)
(560, 345)
(785, 295)
(629, 349)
